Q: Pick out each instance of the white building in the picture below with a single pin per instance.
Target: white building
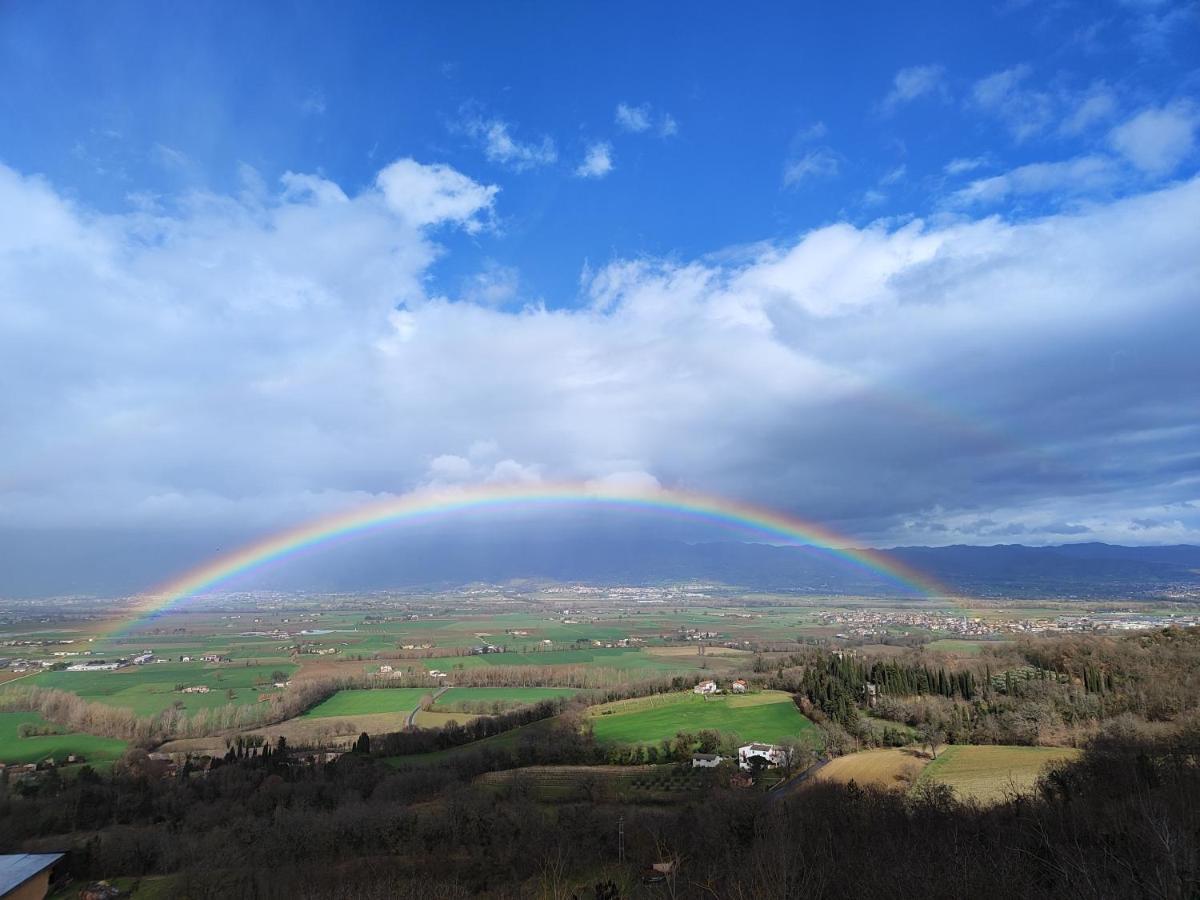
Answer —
(706, 760)
(706, 687)
(773, 755)
(738, 687)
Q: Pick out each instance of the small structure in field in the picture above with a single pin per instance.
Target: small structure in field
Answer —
(706, 760)
(708, 686)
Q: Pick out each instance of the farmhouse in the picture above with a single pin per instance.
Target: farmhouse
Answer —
(707, 686)
(195, 689)
(214, 658)
(770, 753)
(706, 760)
(738, 687)
(385, 670)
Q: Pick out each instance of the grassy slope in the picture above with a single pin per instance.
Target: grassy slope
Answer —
(364, 702)
(986, 773)
(767, 716)
(507, 695)
(14, 749)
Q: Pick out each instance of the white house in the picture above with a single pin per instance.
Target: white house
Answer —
(706, 760)
(738, 687)
(773, 755)
(385, 670)
(706, 687)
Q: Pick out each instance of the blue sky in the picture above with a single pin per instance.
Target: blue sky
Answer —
(129, 97)
(923, 272)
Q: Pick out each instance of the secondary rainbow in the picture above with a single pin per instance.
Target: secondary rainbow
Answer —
(776, 527)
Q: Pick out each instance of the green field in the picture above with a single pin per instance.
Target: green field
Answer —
(366, 702)
(15, 749)
(769, 716)
(149, 689)
(988, 773)
(503, 697)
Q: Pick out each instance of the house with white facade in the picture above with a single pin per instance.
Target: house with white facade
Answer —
(706, 687)
(772, 754)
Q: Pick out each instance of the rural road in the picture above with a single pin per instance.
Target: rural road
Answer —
(412, 716)
(789, 787)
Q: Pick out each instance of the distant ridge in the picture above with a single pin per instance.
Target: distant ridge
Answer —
(1083, 570)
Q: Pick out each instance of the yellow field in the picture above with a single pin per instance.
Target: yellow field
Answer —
(988, 774)
(890, 768)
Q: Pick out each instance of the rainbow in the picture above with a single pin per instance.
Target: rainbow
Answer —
(775, 526)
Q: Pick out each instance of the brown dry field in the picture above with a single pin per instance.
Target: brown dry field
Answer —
(330, 731)
(314, 668)
(430, 719)
(893, 768)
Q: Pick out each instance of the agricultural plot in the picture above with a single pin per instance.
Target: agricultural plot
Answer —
(15, 749)
(488, 699)
(769, 716)
(893, 768)
(427, 718)
(149, 689)
(988, 773)
(369, 702)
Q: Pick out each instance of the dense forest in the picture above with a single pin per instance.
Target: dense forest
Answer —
(1122, 821)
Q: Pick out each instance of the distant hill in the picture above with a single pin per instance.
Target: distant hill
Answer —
(1074, 570)
(126, 564)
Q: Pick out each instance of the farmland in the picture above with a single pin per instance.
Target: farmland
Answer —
(150, 689)
(988, 774)
(477, 699)
(891, 768)
(368, 702)
(15, 749)
(769, 716)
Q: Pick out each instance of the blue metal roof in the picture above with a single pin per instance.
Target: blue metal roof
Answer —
(17, 868)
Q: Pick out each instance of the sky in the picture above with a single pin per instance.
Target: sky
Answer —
(923, 273)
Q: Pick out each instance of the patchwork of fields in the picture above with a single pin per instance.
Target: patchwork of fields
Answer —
(149, 689)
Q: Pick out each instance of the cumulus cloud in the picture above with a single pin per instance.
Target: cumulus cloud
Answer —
(431, 194)
(1158, 139)
(245, 361)
(914, 82)
(499, 145)
(597, 163)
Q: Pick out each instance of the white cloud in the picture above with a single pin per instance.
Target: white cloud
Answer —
(914, 82)
(1082, 175)
(1158, 139)
(494, 285)
(963, 165)
(501, 147)
(819, 163)
(633, 118)
(1025, 111)
(240, 362)
(639, 119)
(1097, 105)
(433, 194)
(598, 161)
